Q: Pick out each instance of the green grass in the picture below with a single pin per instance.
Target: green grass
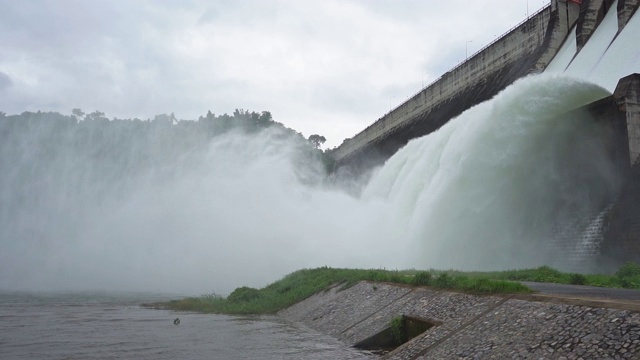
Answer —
(398, 330)
(301, 284)
(628, 276)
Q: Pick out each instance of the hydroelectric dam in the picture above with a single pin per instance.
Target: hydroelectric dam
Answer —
(592, 40)
(525, 155)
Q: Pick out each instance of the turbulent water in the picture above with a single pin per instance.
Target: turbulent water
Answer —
(114, 210)
(245, 209)
(483, 191)
(99, 326)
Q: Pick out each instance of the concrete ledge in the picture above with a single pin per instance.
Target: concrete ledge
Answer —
(582, 301)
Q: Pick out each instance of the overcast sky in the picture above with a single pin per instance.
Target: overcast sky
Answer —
(326, 67)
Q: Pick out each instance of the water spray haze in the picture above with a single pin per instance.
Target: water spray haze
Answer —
(247, 208)
(243, 209)
(485, 190)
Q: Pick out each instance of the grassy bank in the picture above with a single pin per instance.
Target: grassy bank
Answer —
(627, 276)
(301, 284)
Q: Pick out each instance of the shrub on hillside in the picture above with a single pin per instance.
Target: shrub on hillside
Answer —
(243, 294)
(421, 278)
(577, 279)
(444, 281)
(547, 274)
(482, 286)
(628, 275)
(627, 270)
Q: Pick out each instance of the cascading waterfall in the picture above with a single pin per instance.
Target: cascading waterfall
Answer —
(485, 190)
(608, 56)
(480, 193)
(588, 247)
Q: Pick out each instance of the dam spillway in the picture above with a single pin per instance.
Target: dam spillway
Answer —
(547, 40)
(595, 41)
(482, 193)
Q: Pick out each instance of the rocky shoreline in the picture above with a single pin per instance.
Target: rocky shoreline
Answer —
(471, 326)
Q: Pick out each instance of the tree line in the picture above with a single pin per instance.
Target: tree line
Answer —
(43, 150)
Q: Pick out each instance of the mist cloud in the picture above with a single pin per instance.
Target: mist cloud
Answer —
(96, 207)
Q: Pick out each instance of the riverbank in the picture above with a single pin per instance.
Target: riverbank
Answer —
(449, 314)
(302, 284)
(471, 326)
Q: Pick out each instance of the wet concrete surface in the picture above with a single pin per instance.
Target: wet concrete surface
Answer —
(584, 291)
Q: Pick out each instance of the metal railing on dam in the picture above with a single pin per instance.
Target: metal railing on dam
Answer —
(546, 7)
(526, 48)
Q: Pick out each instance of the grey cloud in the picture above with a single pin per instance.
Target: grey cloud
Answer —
(208, 16)
(5, 81)
(337, 60)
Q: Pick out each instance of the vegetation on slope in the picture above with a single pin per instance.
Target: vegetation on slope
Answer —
(301, 284)
(130, 146)
(627, 276)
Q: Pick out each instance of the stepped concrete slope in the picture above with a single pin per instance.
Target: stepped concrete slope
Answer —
(474, 327)
(559, 33)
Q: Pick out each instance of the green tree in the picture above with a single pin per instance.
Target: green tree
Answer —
(317, 140)
(79, 114)
(96, 115)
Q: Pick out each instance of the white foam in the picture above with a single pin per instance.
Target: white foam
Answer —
(483, 191)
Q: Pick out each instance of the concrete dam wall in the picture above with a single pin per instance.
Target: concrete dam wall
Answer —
(596, 41)
(622, 235)
(562, 29)
(612, 234)
(527, 48)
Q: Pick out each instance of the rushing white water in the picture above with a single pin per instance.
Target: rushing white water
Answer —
(240, 212)
(483, 191)
(480, 193)
(591, 239)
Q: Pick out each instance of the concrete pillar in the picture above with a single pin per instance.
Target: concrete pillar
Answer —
(591, 14)
(568, 13)
(626, 9)
(564, 15)
(627, 97)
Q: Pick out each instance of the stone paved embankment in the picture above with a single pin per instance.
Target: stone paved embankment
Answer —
(472, 327)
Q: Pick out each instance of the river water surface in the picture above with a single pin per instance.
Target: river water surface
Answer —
(105, 326)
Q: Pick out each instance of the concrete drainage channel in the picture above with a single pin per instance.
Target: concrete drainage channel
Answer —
(459, 325)
(401, 330)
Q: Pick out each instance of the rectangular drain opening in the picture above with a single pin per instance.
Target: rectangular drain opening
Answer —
(400, 331)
